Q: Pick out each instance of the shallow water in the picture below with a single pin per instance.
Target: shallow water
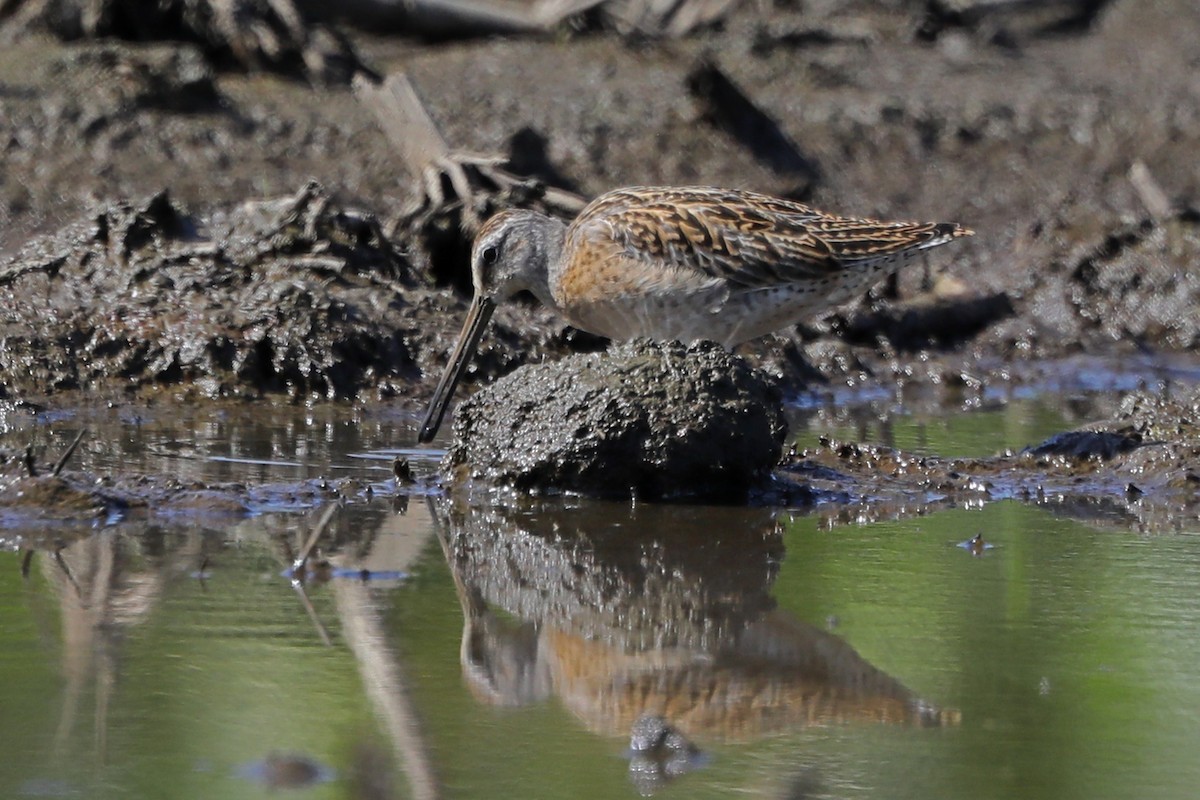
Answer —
(505, 650)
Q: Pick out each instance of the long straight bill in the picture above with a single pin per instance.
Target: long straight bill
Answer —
(477, 319)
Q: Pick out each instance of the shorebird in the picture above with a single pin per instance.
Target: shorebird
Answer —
(682, 263)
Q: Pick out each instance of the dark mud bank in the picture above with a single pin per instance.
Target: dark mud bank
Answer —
(1064, 134)
(271, 297)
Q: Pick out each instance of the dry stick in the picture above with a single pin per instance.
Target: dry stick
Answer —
(425, 153)
(62, 563)
(671, 18)
(322, 631)
(404, 120)
(387, 686)
(1149, 191)
(491, 16)
(65, 457)
(302, 558)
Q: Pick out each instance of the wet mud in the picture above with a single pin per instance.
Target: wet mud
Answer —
(174, 224)
(1139, 469)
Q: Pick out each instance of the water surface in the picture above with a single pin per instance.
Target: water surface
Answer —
(503, 650)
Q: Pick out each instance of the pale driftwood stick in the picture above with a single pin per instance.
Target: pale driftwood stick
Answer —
(458, 18)
(302, 558)
(311, 610)
(461, 18)
(404, 120)
(416, 137)
(496, 16)
(1150, 192)
(428, 158)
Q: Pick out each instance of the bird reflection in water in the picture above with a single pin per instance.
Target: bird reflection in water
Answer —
(653, 614)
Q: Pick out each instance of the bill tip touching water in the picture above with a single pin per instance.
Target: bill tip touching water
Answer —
(684, 263)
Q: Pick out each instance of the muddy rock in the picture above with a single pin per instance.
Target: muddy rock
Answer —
(648, 420)
(1084, 444)
(34, 495)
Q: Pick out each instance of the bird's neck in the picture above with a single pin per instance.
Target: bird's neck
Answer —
(547, 242)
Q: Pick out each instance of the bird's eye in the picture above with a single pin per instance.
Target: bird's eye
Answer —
(489, 255)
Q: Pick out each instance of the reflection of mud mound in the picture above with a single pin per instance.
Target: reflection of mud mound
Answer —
(644, 577)
(653, 610)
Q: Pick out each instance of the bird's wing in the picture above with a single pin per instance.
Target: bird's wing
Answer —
(746, 239)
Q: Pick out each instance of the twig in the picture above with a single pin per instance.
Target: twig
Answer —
(65, 457)
(430, 160)
(62, 563)
(322, 631)
(404, 120)
(1149, 191)
(302, 559)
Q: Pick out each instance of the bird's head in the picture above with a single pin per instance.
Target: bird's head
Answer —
(513, 252)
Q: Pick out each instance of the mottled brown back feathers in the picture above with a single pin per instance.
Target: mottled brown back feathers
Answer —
(747, 239)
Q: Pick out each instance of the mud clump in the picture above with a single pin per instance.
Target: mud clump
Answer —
(1085, 444)
(660, 421)
(250, 34)
(296, 295)
(1128, 285)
